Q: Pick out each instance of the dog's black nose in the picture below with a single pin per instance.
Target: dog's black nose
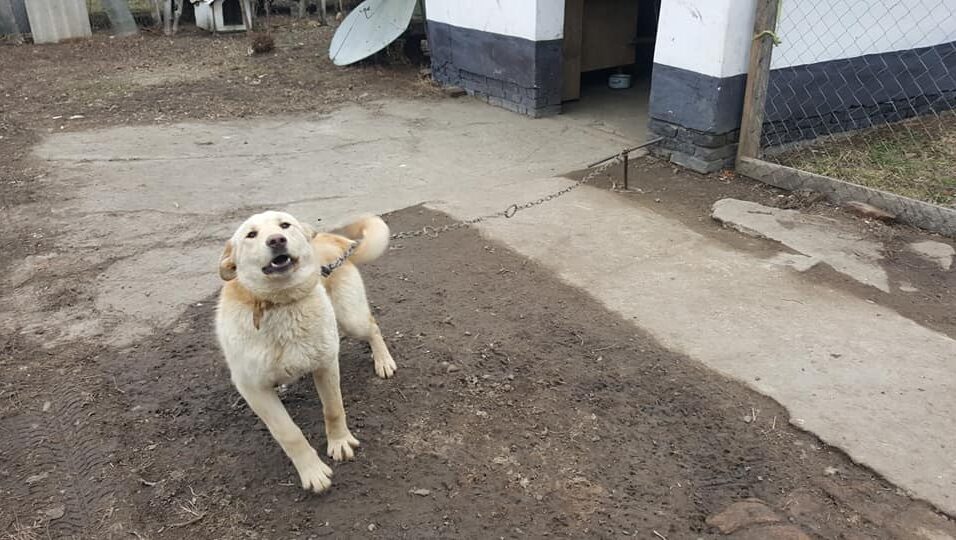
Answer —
(276, 241)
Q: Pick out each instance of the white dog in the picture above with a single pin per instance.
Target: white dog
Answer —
(279, 319)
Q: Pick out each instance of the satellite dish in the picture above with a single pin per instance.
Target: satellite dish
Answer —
(369, 28)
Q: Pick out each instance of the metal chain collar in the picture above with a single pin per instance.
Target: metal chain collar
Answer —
(509, 212)
(327, 269)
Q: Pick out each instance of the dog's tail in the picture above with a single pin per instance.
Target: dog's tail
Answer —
(373, 234)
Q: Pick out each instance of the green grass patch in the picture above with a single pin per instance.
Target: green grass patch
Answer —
(916, 158)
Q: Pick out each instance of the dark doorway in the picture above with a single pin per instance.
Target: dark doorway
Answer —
(605, 38)
(231, 13)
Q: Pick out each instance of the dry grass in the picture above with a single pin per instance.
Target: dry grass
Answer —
(916, 158)
(95, 6)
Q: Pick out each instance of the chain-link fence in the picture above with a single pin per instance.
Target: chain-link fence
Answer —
(864, 91)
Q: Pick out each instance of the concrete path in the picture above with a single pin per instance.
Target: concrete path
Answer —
(146, 210)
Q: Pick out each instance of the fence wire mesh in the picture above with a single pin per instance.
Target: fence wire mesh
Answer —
(864, 91)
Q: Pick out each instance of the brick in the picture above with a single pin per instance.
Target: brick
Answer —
(699, 138)
(710, 154)
(550, 110)
(697, 164)
(661, 128)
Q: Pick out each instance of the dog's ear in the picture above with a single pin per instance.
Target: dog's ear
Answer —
(227, 263)
(308, 230)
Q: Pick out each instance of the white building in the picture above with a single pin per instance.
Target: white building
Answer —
(840, 63)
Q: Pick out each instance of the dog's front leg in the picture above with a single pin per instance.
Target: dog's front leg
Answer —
(341, 441)
(315, 475)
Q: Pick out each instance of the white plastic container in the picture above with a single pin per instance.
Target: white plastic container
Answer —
(619, 81)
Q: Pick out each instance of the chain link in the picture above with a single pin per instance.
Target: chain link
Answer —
(328, 268)
(510, 211)
(507, 213)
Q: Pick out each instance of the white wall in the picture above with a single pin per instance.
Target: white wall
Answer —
(711, 37)
(537, 20)
(819, 30)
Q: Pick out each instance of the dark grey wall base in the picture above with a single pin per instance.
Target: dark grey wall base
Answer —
(696, 150)
(697, 101)
(808, 101)
(910, 211)
(515, 73)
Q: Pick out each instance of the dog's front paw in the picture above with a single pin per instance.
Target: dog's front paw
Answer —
(385, 366)
(342, 448)
(315, 475)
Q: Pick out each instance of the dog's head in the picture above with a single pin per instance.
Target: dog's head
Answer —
(269, 252)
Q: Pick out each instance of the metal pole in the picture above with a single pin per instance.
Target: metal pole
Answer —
(625, 171)
(627, 151)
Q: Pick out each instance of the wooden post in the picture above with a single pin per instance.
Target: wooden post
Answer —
(157, 13)
(246, 9)
(168, 17)
(9, 19)
(178, 13)
(758, 76)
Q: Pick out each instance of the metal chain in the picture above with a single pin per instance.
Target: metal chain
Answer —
(327, 269)
(509, 212)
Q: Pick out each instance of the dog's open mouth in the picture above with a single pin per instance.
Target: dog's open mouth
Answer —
(279, 264)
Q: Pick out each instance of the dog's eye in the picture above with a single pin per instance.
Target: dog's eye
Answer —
(252, 234)
(284, 225)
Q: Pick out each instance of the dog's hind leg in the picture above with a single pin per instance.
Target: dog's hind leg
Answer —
(341, 441)
(355, 318)
(385, 365)
(315, 475)
(367, 329)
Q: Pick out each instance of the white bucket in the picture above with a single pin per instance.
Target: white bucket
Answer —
(619, 81)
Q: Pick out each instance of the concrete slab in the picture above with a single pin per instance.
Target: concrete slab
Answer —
(820, 239)
(937, 252)
(619, 112)
(158, 201)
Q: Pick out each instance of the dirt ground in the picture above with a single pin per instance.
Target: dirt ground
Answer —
(522, 407)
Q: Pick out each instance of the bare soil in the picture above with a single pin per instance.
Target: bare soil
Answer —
(521, 408)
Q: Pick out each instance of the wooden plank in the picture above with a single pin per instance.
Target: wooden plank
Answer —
(608, 33)
(571, 50)
(758, 76)
(910, 211)
(53, 21)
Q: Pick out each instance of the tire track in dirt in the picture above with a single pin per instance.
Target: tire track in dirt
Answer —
(59, 459)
